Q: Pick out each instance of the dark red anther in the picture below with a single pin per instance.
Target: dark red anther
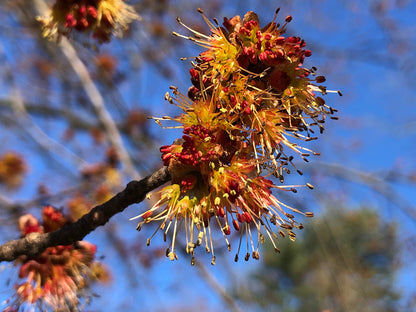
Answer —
(194, 73)
(288, 19)
(92, 12)
(280, 40)
(280, 53)
(268, 45)
(207, 59)
(320, 101)
(82, 11)
(291, 39)
(239, 217)
(250, 24)
(247, 217)
(147, 214)
(308, 53)
(193, 93)
(233, 100)
(220, 212)
(259, 35)
(70, 21)
(227, 230)
(185, 156)
(165, 148)
(320, 79)
(244, 31)
(263, 56)
(236, 225)
(166, 158)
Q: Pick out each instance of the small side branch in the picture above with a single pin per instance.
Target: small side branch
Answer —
(35, 243)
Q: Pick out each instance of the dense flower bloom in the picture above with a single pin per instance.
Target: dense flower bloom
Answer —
(58, 277)
(102, 18)
(250, 100)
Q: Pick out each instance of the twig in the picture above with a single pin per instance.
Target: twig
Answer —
(95, 98)
(74, 119)
(98, 102)
(26, 122)
(34, 243)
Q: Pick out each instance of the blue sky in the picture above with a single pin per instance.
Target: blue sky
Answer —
(376, 132)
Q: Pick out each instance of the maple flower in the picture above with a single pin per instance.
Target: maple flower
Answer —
(59, 276)
(256, 74)
(102, 18)
(251, 99)
(113, 17)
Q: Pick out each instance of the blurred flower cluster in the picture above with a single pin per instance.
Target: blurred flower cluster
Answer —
(61, 275)
(102, 18)
(250, 101)
(12, 169)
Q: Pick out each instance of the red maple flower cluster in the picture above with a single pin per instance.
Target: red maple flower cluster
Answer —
(102, 18)
(250, 99)
(57, 278)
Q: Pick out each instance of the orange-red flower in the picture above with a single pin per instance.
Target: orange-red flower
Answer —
(251, 100)
(58, 277)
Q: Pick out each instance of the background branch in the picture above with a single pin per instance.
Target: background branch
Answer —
(95, 98)
(34, 243)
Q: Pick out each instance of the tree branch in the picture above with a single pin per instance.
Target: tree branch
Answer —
(35, 243)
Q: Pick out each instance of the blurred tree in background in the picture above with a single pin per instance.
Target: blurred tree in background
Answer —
(74, 130)
(345, 260)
